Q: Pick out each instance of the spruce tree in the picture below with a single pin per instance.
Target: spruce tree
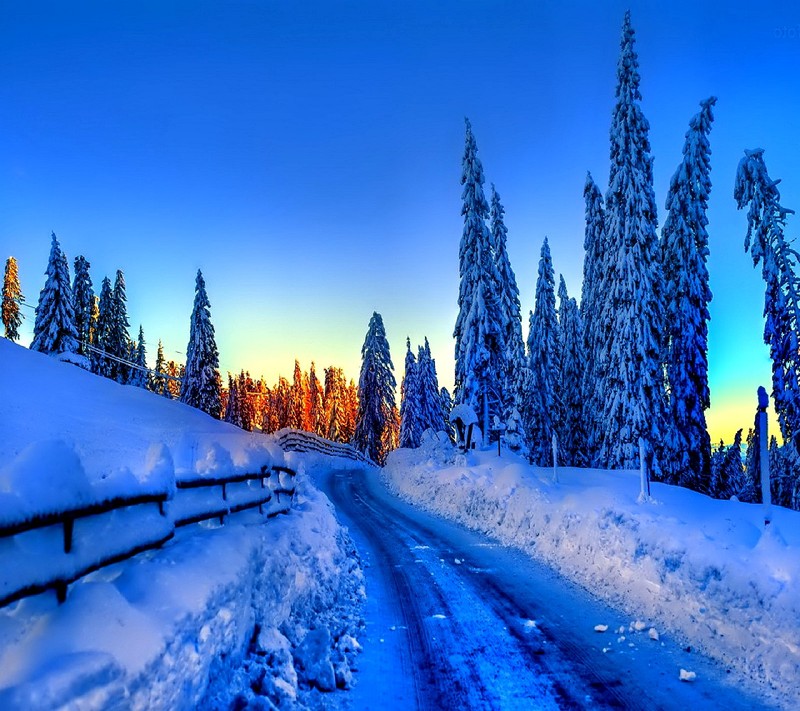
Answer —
(594, 314)
(447, 405)
(102, 334)
(409, 402)
(633, 383)
(139, 375)
(83, 298)
(541, 402)
(336, 415)
(729, 477)
(12, 298)
(430, 401)
(479, 350)
(377, 417)
(232, 406)
(54, 328)
(317, 407)
(684, 251)
(510, 314)
(200, 386)
(765, 240)
(297, 406)
(244, 391)
(571, 428)
(157, 381)
(118, 338)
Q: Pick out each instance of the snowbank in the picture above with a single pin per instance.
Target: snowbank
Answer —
(71, 438)
(705, 570)
(248, 611)
(193, 624)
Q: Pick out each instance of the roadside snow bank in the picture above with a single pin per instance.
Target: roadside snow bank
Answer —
(70, 438)
(706, 570)
(217, 617)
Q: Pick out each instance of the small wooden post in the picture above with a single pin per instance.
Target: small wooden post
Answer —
(61, 591)
(69, 525)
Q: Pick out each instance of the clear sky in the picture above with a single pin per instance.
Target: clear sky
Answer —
(307, 156)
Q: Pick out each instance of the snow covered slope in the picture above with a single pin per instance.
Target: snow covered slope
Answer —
(112, 428)
(249, 609)
(703, 570)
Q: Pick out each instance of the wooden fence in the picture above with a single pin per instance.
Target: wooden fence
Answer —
(46, 552)
(302, 441)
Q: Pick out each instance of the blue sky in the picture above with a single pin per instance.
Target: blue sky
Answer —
(307, 156)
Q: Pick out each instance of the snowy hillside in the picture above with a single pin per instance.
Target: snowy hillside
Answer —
(702, 571)
(253, 608)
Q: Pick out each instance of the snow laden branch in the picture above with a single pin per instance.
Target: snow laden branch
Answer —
(765, 240)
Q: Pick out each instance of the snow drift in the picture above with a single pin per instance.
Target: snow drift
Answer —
(705, 570)
(220, 615)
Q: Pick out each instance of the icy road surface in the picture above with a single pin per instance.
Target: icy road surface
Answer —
(456, 621)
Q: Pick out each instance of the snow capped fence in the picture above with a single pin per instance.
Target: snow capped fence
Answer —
(49, 550)
(302, 441)
(205, 498)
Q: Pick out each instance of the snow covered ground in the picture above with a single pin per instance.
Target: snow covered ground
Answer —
(702, 571)
(264, 611)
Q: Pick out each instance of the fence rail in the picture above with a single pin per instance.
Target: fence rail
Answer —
(106, 540)
(302, 441)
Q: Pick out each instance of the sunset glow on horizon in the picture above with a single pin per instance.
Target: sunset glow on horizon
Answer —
(307, 158)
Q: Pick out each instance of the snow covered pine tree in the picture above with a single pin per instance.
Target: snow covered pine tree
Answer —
(571, 428)
(684, 251)
(766, 220)
(480, 352)
(541, 398)
(376, 423)
(83, 299)
(510, 313)
(54, 328)
(633, 388)
(201, 384)
(409, 402)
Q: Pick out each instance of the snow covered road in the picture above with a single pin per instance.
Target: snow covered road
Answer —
(455, 620)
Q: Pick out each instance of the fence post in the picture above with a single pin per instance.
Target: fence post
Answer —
(763, 453)
(69, 524)
(644, 472)
(555, 458)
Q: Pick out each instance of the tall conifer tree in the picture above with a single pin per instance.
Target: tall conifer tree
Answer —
(102, 334)
(200, 386)
(12, 298)
(409, 402)
(479, 351)
(571, 429)
(541, 405)
(594, 315)
(765, 240)
(232, 406)
(83, 298)
(139, 375)
(510, 314)
(633, 390)
(157, 381)
(54, 328)
(118, 338)
(377, 420)
(317, 408)
(684, 250)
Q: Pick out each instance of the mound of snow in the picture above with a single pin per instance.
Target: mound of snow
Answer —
(701, 569)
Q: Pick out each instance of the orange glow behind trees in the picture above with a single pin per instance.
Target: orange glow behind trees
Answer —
(305, 403)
